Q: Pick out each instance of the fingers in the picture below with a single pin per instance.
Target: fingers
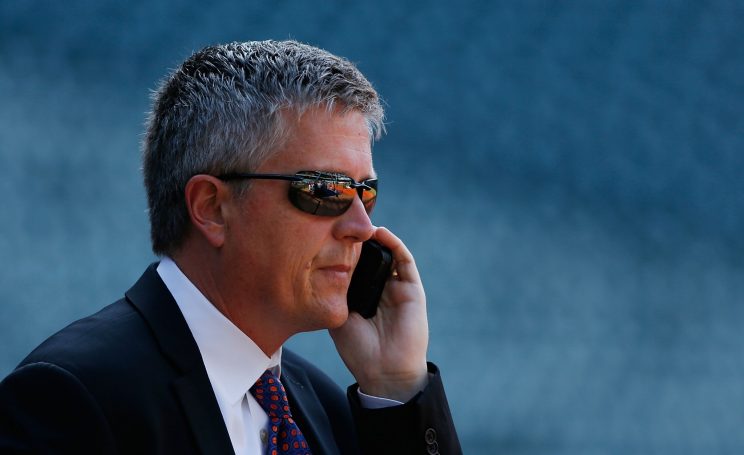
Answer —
(404, 266)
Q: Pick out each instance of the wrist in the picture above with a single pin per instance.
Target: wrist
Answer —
(398, 387)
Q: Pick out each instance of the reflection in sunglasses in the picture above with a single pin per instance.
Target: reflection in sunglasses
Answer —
(320, 193)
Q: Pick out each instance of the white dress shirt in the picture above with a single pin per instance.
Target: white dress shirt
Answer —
(233, 363)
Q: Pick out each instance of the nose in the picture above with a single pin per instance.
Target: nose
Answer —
(354, 224)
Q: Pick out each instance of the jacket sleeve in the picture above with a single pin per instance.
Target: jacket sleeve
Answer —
(46, 409)
(423, 425)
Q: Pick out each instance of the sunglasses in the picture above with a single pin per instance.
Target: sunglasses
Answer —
(320, 193)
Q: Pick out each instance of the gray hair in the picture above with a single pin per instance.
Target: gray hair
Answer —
(221, 111)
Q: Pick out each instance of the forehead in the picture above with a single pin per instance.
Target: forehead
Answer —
(324, 140)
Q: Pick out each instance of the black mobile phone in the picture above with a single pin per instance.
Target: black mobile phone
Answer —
(369, 278)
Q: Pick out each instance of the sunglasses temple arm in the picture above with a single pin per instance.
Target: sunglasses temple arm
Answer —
(291, 178)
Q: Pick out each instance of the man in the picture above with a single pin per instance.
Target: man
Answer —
(259, 177)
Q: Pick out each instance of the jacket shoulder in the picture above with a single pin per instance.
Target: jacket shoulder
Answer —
(46, 409)
(103, 342)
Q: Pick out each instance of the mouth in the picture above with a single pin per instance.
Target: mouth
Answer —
(338, 274)
(339, 268)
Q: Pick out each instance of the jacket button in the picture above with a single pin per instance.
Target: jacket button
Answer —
(430, 436)
(433, 448)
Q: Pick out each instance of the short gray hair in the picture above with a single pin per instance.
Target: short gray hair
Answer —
(221, 111)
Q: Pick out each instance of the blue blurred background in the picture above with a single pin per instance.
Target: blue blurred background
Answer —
(568, 175)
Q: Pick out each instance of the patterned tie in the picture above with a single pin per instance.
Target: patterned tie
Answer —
(285, 436)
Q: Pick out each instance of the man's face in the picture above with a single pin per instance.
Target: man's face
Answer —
(294, 266)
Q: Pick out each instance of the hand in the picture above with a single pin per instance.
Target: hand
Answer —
(387, 353)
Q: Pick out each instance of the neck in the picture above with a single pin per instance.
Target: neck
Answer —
(243, 309)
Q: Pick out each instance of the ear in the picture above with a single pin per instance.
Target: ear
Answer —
(206, 197)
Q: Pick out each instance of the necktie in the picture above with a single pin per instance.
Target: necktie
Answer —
(285, 436)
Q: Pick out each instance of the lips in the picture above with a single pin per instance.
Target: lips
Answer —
(339, 275)
(340, 268)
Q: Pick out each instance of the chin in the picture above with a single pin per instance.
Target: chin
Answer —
(335, 313)
(321, 314)
(326, 306)
(338, 318)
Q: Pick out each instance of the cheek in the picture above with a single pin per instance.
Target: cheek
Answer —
(297, 259)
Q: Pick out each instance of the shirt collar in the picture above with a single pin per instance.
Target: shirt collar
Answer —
(233, 361)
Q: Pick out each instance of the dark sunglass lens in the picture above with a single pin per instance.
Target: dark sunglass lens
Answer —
(320, 197)
(369, 195)
(369, 205)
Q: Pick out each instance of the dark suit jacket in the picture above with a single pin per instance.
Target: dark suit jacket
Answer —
(130, 379)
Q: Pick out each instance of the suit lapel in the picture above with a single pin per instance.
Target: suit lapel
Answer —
(308, 411)
(151, 298)
(206, 424)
